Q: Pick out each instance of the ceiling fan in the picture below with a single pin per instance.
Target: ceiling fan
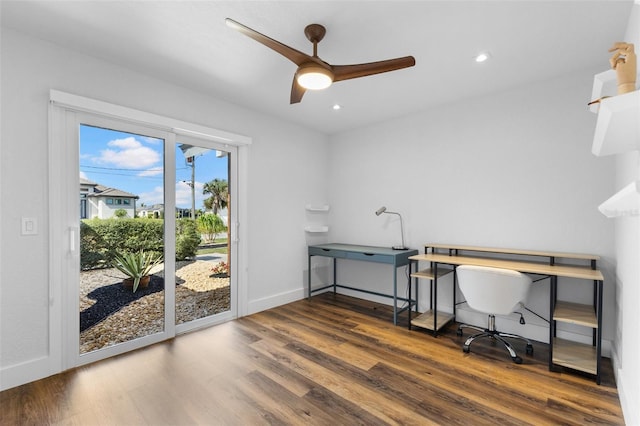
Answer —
(313, 73)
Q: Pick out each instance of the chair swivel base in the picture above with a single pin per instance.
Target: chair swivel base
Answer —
(496, 336)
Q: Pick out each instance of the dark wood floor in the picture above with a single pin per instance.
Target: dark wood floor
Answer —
(332, 361)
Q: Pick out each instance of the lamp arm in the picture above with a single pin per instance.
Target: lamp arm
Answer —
(401, 226)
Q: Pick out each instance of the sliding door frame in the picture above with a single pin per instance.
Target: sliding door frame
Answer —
(65, 110)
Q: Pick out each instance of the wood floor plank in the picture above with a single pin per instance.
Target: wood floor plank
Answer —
(342, 386)
(330, 361)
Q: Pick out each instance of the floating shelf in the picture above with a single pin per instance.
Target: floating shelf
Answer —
(317, 208)
(316, 229)
(618, 126)
(604, 84)
(624, 203)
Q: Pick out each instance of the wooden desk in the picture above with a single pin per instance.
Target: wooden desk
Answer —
(387, 255)
(561, 352)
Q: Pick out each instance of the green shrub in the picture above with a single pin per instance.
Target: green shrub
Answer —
(187, 239)
(120, 213)
(101, 239)
(92, 249)
(210, 225)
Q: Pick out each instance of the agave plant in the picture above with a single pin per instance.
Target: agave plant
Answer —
(136, 265)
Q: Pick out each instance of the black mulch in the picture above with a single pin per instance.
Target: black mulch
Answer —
(111, 298)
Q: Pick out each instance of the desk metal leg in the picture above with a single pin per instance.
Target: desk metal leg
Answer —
(599, 342)
(552, 323)
(395, 295)
(595, 308)
(409, 284)
(455, 280)
(409, 312)
(335, 274)
(415, 282)
(309, 279)
(434, 297)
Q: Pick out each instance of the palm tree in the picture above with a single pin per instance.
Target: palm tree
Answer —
(219, 190)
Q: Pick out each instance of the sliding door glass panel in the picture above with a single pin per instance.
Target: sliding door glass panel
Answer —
(121, 213)
(203, 258)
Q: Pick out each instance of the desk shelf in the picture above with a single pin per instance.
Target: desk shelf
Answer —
(426, 320)
(577, 356)
(427, 274)
(575, 313)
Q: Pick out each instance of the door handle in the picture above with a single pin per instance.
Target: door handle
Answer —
(72, 239)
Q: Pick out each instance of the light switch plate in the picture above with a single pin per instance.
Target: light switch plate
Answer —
(29, 226)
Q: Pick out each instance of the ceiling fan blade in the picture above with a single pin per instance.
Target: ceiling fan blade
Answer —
(346, 72)
(297, 91)
(290, 53)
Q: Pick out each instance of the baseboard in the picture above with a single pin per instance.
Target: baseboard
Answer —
(280, 299)
(628, 401)
(25, 372)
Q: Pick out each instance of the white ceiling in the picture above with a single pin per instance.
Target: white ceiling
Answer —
(188, 43)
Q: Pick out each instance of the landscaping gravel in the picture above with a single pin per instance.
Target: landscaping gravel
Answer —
(111, 314)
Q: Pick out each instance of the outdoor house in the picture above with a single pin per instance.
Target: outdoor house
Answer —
(98, 201)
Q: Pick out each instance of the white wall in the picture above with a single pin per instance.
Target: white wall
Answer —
(513, 169)
(285, 169)
(627, 249)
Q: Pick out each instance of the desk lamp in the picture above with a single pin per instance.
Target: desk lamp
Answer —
(383, 209)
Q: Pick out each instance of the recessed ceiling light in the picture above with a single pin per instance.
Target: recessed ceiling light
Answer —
(336, 107)
(481, 57)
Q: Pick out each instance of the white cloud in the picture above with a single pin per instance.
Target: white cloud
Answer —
(152, 172)
(83, 175)
(183, 195)
(150, 140)
(129, 153)
(156, 196)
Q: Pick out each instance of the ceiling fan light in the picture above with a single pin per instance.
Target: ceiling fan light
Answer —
(314, 77)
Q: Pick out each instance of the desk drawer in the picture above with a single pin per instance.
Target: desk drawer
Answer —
(371, 257)
(318, 251)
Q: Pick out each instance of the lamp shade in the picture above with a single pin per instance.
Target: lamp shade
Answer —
(314, 77)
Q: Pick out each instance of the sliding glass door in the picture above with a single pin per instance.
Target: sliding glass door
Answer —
(203, 203)
(152, 223)
(126, 238)
(142, 228)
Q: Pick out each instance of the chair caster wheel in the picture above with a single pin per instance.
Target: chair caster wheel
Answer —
(465, 349)
(529, 349)
(517, 360)
(459, 332)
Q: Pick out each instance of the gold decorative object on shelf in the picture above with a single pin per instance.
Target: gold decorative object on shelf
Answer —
(624, 62)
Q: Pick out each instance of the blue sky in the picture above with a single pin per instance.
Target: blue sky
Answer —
(134, 163)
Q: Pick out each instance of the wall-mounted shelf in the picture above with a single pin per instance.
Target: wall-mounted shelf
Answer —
(316, 229)
(618, 126)
(624, 203)
(317, 208)
(316, 218)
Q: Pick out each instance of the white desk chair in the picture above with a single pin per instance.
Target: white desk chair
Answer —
(493, 291)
